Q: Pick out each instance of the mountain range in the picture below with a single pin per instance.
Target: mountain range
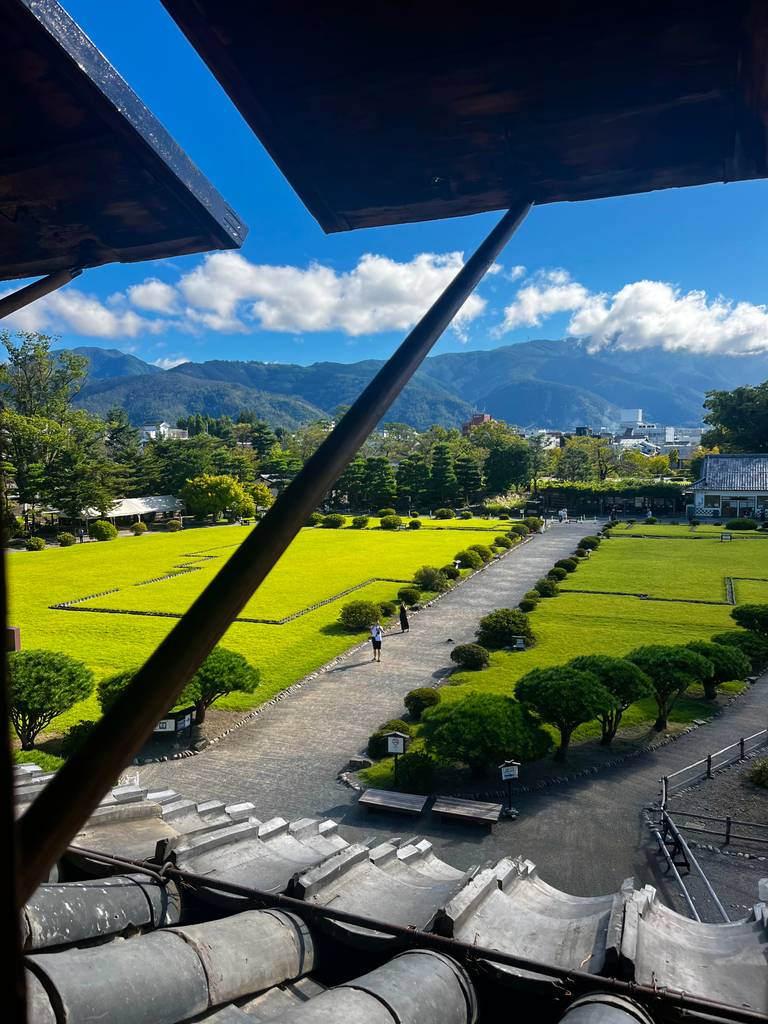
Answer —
(555, 384)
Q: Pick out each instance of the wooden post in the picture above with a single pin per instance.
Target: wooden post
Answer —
(727, 830)
(741, 748)
(709, 766)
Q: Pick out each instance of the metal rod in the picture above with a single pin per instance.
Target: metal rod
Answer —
(31, 292)
(676, 873)
(75, 791)
(686, 850)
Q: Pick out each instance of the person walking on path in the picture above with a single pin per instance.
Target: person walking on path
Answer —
(404, 624)
(376, 634)
(81, 534)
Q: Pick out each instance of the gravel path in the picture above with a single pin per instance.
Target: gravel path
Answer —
(586, 836)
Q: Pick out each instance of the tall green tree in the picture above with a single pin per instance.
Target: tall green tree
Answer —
(36, 381)
(444, 486)
(508, 466)
(350, 487)
(621, 678)
(575, 465)
(738, 419)
(412, 479)
(469, 477)
(564, 697)
(379, 485)
(672, 670)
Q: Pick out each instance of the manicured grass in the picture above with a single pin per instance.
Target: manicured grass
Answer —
(319, 564)
(639, 529)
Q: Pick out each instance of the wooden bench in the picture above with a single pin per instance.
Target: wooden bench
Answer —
(386, 800)
(471, 811)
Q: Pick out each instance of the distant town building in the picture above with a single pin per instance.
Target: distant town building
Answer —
(162, 432)
(731, 486)
(478, 419)
(630, 417)
(128, 510)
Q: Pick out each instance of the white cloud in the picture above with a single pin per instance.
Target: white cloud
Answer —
(227, 291)
(167, 362)
(154, 295)
(550, 292)
(73, 310)
(516, 272)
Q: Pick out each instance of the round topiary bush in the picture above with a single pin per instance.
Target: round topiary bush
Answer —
(526, 604)
(66, 540)
(315, 519)
(759, 773)
(546, 588)
(387, 609)
(333, 522)
(741, 524)
(499, 628)
(102, 530)
(138, 528)
(581, 552)
(42, 685)
(415, 772)
(414, 524)
(470, 656)
(650, 520)
(377, 742)
(430, 578)
(518, 530)
(533, 523)
(589, 542)
(450, 572)
(443, 513)
(557, 574)
(469, 560)
(360, 522)
(414, 515)
(75, 737)
(359, 615)
(502, 542)
(391, 522)
(569, 564)
(465, 514)
(503, 515)
(409, 595)
(34, 544)
(174, 525)
(485, 552)
(384, 512)
(417, 701)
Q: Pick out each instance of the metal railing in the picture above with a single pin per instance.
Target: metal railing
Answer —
(726, 831)
(704, 768)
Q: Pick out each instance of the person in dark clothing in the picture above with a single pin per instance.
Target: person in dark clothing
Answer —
(81, 534)
(404, 626)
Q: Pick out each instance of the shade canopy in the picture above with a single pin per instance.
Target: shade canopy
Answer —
(381, 113)
(87, 174)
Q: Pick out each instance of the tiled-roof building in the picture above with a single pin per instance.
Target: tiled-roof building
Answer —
(732, 486)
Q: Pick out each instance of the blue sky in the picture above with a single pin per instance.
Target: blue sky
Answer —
(683, 269)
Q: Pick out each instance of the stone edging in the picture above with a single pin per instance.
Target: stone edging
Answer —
(295, 687)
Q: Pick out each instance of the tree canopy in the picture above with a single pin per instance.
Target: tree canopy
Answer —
(42, 685)
(671, 671)
(738, 419)
(727, 662)
(753, 617)
(622, 679)
(564, 697)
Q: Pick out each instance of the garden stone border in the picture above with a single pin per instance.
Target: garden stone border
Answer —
(295, 687)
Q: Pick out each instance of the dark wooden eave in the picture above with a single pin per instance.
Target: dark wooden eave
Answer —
(87, 174)
(386, 112)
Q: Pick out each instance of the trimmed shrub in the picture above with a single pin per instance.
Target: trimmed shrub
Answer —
(391, 522)
(315, 519)
(533, 523)
(752, 644)
(443, 513)
(415, 772)
(222, 673)
(589, 542)
(483, 550)
(581, 552)
(519, 529)
(174, 525)
(414, 515)
(377, 742)
(503, 515)
(465, 514)
(469, 560)
(414, 524)
(109, 689)
(741, 524)
(650, 520)
(42, 685)
(557, 574)
(384, 512)
(75, 737)
(360, 522)
(758, 773)
(409, 595)
(34, 544)
(138, 528)
(483, 729)
(333, 522)
(102, 530)
(417, 701)
(753, 617)
(499, 628)
(502, 542)
(359, 615)
(525, 604)
(66, 540)
(387, 609)
(451, 572)
(532, 595)
(470, 656)
(430, 578)
(546, 588)
(569, 564)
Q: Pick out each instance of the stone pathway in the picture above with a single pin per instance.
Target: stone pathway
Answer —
(586, 836)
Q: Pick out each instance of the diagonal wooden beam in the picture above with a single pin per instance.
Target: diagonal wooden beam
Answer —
(52, 821)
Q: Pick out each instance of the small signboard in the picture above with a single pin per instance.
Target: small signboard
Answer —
(176, 721)
(396, 743)
(510, 770)
(725, 536)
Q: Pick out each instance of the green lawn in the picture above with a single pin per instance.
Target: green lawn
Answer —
(639, 529)
(319, 564)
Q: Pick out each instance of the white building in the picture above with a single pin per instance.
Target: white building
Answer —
(162, 432)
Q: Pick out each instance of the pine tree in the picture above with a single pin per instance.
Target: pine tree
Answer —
(379, 485)
(443, 483)
(412, 479)
(469, 478)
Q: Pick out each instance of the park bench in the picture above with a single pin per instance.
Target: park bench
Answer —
(471, 811)
(386, 800)
(518, 644)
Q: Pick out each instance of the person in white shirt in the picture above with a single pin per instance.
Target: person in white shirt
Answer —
(376, 634)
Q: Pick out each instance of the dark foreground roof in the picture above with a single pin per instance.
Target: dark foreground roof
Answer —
(734, 473)
(87, 174)
(385, 113)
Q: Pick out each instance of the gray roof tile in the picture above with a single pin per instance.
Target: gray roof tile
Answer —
(734, 473)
